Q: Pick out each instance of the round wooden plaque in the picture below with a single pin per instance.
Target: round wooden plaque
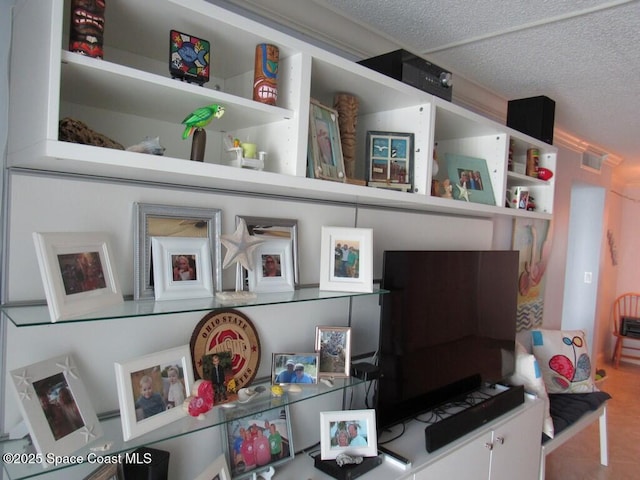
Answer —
(227, 331)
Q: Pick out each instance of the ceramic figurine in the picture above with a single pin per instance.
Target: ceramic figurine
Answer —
(265, 79)
(87, 27)
(195, 123)
(201, 399)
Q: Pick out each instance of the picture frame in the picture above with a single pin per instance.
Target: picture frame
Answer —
(389, 160)
(217, 470)
(273, 270)
(325, 149)
(353, 271)
(333, 345)
(359, 427)
(268, 228)
(55, 406)
(78, 273)
(155, 220)
(155, 374)
(112, 471)
(181, 268)
(252, 421)
(285, 368)
(474, 173)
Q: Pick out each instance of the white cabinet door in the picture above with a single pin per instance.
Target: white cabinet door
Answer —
(517, 446)
(469, 462)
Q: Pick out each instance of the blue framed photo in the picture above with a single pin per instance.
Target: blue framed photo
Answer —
(470, 179)
(390, 160)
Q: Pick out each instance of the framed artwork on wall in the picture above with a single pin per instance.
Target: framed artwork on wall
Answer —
(325, 150)
(153, 220)
(181, 268)
(78, 273)
(390, 160)
(152, 389)
(346, 259)
(55, 406)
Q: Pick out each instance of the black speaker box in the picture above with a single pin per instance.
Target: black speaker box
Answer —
(349, 471)
(533, 116)
(146, 464)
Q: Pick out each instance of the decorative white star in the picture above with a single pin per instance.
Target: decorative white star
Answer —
(23, 379)
(25, 394)
(68, 368)
(463, 192)
(240, 246)
(88, 434)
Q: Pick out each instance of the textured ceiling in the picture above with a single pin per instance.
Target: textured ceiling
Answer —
(582, 54)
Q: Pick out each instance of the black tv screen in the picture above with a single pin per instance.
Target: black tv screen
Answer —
(448, 326)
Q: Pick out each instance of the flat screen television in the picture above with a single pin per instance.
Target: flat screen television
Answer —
(448, 326)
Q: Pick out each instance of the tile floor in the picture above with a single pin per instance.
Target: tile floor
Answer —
(579, 459)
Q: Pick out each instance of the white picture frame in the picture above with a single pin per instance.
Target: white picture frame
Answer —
(140, 417)
(363, 442)
(339, 274)
(153, 220)
(273, 270)
(55, 406)
(217, 470)
(78, 273)
(171, 281)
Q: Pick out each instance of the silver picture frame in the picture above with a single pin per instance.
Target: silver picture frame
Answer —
(154, 220)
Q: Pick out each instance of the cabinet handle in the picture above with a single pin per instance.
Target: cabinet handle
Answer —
(500, 440)
(488, 446)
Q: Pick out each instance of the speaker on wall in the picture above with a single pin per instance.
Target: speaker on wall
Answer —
(533, 116)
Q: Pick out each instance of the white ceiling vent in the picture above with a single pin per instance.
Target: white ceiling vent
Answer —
(593, 160)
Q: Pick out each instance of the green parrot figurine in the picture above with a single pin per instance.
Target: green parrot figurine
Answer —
(201, 117)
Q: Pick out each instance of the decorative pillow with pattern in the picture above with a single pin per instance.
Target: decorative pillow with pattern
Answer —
(527, 374)
(564, 360)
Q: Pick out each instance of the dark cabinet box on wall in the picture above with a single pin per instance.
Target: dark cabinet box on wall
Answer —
(414, 71)
(533, 116)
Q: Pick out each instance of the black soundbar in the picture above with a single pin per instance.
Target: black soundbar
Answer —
(451, 428)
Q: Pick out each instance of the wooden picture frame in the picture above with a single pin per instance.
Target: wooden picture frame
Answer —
(352, 432)
(473, 173)
(252, 421)
(389, 160)
(154, 220)
(55, 406)
(325, 150)
(352, 270)
(295, 368)
(181, 268)
(152, 374)
(273, 270)
(78, 273)
(333, 344)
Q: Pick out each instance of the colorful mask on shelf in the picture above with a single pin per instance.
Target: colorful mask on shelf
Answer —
(87, 27)
(265, 81)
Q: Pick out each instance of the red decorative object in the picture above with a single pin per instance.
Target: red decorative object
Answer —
(201, 400)
(544, 173)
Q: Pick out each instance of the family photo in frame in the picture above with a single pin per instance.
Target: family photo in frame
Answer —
(78, 273)
(346, 259)
(296, 368)
(55, 406)
(154, 220)
(256, 439)
(348, 431)
(152, 389)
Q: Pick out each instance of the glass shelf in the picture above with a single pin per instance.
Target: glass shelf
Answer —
(112, 427)
(34, 315)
